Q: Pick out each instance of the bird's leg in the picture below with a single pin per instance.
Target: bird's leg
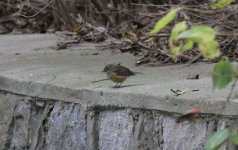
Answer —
(120, 84)
(115, 85)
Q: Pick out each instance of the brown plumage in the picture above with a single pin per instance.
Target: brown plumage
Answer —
(117, 73)
(118, 69)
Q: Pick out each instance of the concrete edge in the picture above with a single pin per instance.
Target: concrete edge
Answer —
(97, 98)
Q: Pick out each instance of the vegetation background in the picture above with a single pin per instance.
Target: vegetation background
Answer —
(128, 21)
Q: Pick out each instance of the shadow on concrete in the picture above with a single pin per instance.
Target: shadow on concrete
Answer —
(124, 86)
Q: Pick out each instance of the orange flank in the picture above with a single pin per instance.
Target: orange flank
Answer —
(117, 79)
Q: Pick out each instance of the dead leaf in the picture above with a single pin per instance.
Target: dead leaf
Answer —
(178, 92)
(142, 61)
(190, 114)
(194, 77)
(61, 46)
(3, 30)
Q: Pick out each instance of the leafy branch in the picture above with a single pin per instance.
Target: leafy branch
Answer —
(183, 39)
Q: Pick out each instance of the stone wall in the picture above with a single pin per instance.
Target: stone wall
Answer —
(34, 123)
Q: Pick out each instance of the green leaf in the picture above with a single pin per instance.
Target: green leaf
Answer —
(164, 21)
(221, 3)
(204, 36)
(188, 45)
(215, 141)
(175, 52)
(223, 74)
(234, 136)
(175, 45)
(179, 27)
(209, 49)
(198, 34)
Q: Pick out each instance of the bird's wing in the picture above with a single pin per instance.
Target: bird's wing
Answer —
(122, 71)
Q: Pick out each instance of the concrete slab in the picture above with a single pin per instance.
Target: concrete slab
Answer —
(29, 65)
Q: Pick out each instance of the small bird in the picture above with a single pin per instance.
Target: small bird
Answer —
(117, 73)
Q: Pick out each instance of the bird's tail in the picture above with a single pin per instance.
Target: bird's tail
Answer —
(99, 80)
(135, 72)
